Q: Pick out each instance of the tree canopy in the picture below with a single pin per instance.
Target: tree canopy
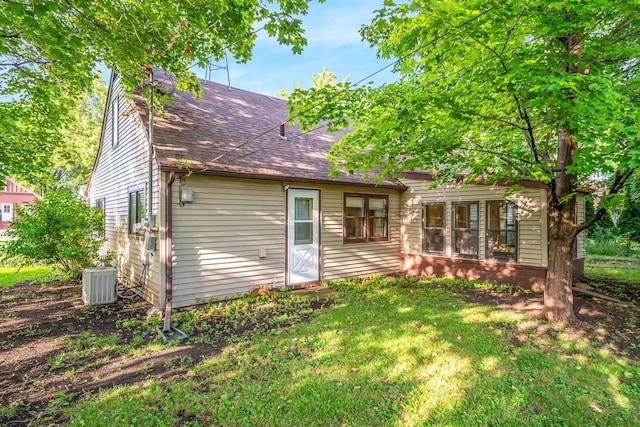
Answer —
(493, 91)
(49, 51)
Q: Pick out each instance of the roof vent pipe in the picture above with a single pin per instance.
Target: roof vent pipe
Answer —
(282, 135)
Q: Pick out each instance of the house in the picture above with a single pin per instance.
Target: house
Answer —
(12, 195)
(238, 199)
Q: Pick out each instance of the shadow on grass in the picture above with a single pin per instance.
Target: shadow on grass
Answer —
(417, 355)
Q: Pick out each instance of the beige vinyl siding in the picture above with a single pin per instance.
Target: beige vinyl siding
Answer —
(117, 168)
(531, 220)
(217, 238)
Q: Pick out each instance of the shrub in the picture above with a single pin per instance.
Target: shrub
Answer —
(609, 247)
(60, 230)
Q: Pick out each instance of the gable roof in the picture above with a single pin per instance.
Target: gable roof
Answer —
(233, 132)
(10, 186)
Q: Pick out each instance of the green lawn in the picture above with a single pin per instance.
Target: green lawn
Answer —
(614, 276)
(409, 352)
(9, 276)
(613, 269)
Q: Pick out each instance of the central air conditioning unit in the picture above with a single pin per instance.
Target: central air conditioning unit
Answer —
(99, 285)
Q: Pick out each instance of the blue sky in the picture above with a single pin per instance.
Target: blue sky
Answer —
(331, 29)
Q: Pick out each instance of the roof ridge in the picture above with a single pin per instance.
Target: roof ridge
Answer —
(210, 82)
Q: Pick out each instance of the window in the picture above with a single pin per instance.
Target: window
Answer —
(100, 205)
(6, 213)
(433, 223)
(136, 209)
(303, 221)
(502, 233)
(465, 229)
(366, 218)
(115, 116)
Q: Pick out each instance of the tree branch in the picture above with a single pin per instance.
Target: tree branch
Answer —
(626, 70)
(528, 130)
(512, 29)
(616, 186)
(25, 62)
(501, 156)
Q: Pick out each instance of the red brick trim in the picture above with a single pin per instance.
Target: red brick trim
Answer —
(525, 276)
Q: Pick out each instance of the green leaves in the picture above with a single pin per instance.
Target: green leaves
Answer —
(50, 49)
(59, 229)
(485, 90)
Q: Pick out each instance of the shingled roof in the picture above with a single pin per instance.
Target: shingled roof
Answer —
(233, 132)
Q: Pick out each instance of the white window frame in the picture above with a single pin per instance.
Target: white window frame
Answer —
(513, 231)
(426, 228)
(455, 230)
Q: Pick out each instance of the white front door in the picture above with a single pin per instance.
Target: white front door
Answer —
(303, 225)
(6, 212)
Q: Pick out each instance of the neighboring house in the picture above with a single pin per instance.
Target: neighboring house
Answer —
(241, 200)
(12, 196)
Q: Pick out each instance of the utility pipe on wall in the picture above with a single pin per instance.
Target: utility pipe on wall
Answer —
(169, 252)
(150, 164)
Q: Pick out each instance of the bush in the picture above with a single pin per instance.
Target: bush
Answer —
(609, 247)
(60, 230)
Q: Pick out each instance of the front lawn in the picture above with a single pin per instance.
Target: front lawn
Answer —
(393, 352)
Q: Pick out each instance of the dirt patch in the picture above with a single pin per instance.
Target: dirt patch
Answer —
(607, 324)
(54, 350)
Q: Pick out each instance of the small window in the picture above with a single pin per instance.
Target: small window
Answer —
(366, 218)
(303, 221)
(433, 230)
(100, 205)
(7, 212)
(115, 119)
(136, 209)
(502, 232)
(465, 229)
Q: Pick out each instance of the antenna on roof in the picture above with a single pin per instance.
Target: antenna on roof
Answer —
(215, 67)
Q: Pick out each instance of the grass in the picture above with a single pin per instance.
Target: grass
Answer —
(615, 247)
(390, 352)
(10, 276)
(616, 276)
(614, 269)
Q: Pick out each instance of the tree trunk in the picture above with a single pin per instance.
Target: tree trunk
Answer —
(558, 296)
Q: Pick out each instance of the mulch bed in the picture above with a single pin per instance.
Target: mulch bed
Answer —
(35, 320)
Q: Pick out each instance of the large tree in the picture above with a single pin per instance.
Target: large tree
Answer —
(494, 91)
(49, 50)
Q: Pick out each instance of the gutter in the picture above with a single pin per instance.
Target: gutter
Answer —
(167, 332)
(280, 178)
